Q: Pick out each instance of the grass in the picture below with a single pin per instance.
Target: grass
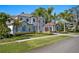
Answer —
(29, 45)
(75, 33)
(26, 36)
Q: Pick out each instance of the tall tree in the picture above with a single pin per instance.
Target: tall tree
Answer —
(46, 13)
(49, 13)
(3, 17)
(40, 12)
(3, 27)
(16, 24)
(66, 16)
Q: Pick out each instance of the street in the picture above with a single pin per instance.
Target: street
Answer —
(65, 46)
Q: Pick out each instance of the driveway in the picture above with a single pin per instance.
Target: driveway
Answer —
(66, 46)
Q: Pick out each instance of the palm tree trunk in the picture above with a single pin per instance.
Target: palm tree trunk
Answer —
(49, 18)
(16, 28)
(64, 28)
(38, 25)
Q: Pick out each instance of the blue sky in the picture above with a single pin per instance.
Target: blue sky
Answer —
(17, 9)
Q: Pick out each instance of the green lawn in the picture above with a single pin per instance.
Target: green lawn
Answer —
(32, 44)
(26, 36)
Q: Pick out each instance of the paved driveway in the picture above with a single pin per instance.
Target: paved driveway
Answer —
(66, 46)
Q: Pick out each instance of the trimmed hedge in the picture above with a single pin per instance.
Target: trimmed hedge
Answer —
(22, 33)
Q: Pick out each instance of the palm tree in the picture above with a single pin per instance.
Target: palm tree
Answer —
(55, 19)
(40, 12)
(16, 24)
(66, 16)
(48, 14)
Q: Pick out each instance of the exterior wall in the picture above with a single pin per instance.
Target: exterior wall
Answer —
(24, 27)
(53, 28)
(41, 24)
(11, 27)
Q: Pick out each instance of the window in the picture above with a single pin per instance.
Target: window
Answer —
(29, 29)
(20, 18)
(74, 20)
(24, 28)
(33, 20)
(9, 21)
(43, 21)
(27, 20)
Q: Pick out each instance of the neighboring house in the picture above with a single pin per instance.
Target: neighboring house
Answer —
(52, 26)
(29, 23)
(75, 19)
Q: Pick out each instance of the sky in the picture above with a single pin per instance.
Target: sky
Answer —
(17, 9)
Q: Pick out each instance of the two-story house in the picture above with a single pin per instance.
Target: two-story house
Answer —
(28, 23)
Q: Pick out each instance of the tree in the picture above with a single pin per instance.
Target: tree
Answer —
(4, 17)
(4, 30)
(16, 24)
(3, 27)
(66, 16)
(49, 14)
(40, 12)
(45, 13)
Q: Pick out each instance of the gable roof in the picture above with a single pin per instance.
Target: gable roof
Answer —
(50, 24)
(28, 15)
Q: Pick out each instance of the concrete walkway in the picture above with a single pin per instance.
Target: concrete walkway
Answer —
(29, 39)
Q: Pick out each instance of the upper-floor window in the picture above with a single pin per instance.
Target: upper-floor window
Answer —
(9, 21)
(33, 20)
(74, 20)
(27, 20)
(20, 18)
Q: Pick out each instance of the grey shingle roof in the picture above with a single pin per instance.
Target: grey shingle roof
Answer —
(28, 15)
